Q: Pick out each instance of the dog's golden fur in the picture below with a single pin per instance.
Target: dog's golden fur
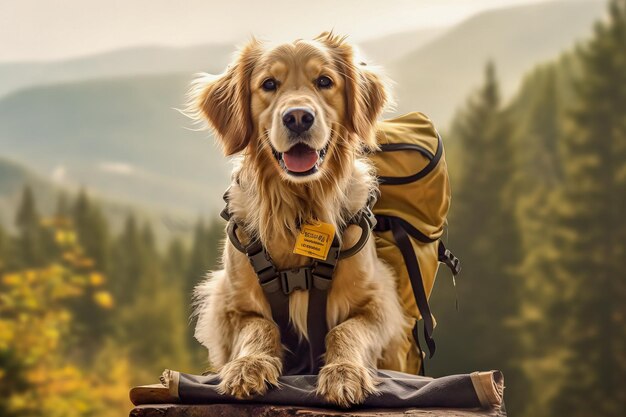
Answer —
(364, 315)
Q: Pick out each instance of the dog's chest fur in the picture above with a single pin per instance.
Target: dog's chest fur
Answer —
(278, 212)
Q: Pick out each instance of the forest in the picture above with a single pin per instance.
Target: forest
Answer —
(537, 219)
(84, 314)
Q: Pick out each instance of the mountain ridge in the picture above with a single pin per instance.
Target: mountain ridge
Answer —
(437, 77)
(121, 136)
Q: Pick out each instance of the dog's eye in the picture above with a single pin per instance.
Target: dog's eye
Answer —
(269, 84)
(324, 82)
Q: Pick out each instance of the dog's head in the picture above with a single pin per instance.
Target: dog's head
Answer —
(302, 107)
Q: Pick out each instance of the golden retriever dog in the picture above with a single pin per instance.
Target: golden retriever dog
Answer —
(298, 118)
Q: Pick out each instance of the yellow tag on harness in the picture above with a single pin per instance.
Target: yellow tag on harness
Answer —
(315, 239)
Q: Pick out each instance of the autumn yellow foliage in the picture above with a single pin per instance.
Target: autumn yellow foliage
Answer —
(38, 375)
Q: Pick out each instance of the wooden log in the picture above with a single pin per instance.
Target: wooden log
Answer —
(263, 410)
(151, 394)
(156, 401)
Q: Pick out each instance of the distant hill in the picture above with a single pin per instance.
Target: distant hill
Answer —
(437, 77)
(147, 60)
(389, 48)
(121, 137)
(120, 63)
(14, 176)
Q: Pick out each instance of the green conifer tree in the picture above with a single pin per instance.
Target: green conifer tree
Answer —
(127, 264)
(204, 253)
(176, 260)
(63, 205)
(4, 249)
(538, 111)
(155, 319)
(34, 245)
(484, 236)
(592, 231)
(92, 229)
(203, 257)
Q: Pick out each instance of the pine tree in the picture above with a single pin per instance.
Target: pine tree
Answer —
(34, 245)
(154, 319)
(63, 206)
(27, 214)
(92, 229)
(176, 260)
(128, 265)
(538, 111)
(204, 253)
(86, 221)
(483, 234)
(198, 262)
(592, 231)
(4, 249)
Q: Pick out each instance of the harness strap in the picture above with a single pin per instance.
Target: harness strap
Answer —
(317, 325)
(366, 220)
(269, 279)
(316, 278)
(410, 260)
(418, 346)
(278, 284)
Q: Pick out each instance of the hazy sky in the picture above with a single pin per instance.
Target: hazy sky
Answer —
(55, 29)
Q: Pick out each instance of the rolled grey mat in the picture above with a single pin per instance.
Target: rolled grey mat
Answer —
(396, 390)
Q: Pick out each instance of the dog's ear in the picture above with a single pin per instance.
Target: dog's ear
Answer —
(224, 101)
(366, 93)
(368, 103)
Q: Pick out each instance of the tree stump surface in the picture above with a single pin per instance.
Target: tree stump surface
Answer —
(264, 410)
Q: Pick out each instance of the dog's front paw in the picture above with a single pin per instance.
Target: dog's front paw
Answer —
(345, 384)
(249, 375)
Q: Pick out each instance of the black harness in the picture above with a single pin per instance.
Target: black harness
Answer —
(315, 278)
(304, 357)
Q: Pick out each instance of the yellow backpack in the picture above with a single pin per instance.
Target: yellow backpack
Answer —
(411, 214)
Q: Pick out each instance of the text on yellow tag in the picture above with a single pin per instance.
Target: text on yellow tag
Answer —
(315, 239)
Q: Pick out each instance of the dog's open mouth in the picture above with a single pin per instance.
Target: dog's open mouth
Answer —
(301, 160)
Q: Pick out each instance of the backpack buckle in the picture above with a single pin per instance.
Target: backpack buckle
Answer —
(295, 279)
(449, 259)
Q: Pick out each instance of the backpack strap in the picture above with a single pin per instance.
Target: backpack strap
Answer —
(417, 284)
(422, 369)
(402, 232)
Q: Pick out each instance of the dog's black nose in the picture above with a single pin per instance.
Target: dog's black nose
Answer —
(298, 119)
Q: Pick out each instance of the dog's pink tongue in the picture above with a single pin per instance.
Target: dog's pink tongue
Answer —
(300, 158)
